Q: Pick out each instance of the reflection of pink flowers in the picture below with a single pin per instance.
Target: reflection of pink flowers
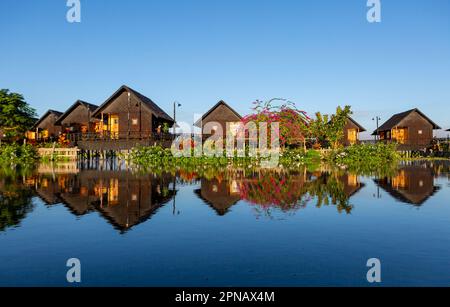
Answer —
(285, 192)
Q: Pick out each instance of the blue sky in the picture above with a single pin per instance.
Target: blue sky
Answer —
(320, 54)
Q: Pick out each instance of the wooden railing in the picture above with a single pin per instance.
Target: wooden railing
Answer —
(114, 136)
(56, 153)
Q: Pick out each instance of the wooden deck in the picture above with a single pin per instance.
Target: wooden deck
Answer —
(118, 142)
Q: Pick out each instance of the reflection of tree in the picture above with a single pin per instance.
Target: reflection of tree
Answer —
(15, 200)
(329, 188)
(287, 191)
(281, 190)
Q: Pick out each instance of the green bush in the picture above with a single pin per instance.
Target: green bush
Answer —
(158, 157)
(18, 154)
(366, 158)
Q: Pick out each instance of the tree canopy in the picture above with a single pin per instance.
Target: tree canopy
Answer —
(330, 129)
(16, 116)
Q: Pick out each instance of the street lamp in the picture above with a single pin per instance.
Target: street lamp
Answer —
(175, 105)
(377, 119)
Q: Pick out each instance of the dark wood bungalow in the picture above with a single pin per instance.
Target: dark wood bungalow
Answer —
(221, 114)
(219, 195)
(128, 114)
(78, 118)
(351, 132)
(45, 129)
(411, 185)
(412, 130)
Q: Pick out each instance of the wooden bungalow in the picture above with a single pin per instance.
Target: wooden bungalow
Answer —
(351, 132)
(411, 185)
(78, 119)
(45, 129)
(219, 115)
(412, 130)
(128, 114)
(219, 195)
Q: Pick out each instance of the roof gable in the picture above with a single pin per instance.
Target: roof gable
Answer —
(221, 102)
(77, 103)
(361, 128)
(397, 118)
(46, 114)
(146, 102)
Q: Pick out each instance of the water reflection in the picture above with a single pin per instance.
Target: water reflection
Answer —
(15, 200)
(125, 198)
(413, 183)
(221, 194)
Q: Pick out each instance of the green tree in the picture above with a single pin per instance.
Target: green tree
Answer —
(330, 129)
(16, 116)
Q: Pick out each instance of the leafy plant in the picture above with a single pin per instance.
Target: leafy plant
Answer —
(16, 116)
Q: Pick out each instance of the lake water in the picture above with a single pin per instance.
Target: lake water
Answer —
(231, 228)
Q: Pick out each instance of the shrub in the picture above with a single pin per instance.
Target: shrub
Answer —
(366, 158)
(18, 154)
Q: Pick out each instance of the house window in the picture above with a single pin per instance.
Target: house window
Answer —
(352, 136)
(420, 132)
(134, 121)
(400, 135)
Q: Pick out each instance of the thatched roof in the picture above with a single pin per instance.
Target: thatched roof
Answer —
(147, 102)
(221, 102)
(361, 128)
(397, 118)
(90, 106)
(49, 112)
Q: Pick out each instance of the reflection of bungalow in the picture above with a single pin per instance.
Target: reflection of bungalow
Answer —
(411, 129)
(220, 195)
(48, 189)
(45, 129)
(129, 114)
(352, 185)
(128, 203)
(412, 185)
(216, 119)
(351, 132)
(78, 118)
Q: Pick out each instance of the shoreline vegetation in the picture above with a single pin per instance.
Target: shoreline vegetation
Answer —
(363, 159)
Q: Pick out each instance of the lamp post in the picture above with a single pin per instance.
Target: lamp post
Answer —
(377, 119)
(175, 105)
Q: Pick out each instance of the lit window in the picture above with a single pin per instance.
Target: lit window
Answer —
(420, 131)
(134, 121)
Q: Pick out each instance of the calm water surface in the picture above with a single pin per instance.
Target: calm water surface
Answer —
(233, 228)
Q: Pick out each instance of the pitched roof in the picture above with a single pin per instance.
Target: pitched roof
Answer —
(153, 107)
(397, 118)
(405, 196)
(361, 128)
(221, 102)
(56, 113)
(90, 106)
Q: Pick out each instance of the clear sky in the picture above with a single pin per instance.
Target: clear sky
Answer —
(318, 53)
